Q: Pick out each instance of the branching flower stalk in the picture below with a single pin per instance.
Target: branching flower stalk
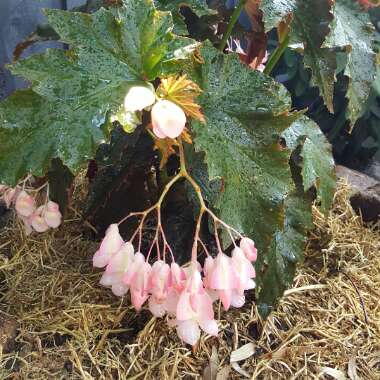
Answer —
(182, 174)
(180, 292)
(183, 293)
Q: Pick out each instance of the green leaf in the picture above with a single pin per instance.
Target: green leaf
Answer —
(276, 270)
(133, 40)
(111, 50)
(58, 76)
(318, 168)
(275, 11)
(310, 27)
(245, 112)
(327, 28)
(197, 168)
(33, 131)
(352, 31)
(199, 7)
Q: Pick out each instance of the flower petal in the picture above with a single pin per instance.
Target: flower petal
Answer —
(188, 331)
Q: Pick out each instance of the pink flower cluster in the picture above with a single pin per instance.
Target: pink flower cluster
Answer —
(40, 218)
(180, 292)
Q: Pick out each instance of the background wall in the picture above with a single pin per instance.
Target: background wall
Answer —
(18, 19)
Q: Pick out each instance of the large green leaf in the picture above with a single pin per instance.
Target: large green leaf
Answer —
(318, 168)
(33, 131)
(310, 27)
(325, 29)
(245, 112)
(352, 30)
(275, 11)
(110, 51)
(276, 270)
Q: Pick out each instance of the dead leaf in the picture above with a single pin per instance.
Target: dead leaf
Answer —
(224, 373)
(211, 371)
(352, 372)
(242, 353)
(240, 370)
(335, 373)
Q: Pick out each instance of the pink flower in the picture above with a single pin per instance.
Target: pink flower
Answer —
(248, 247)
(137, 278)
(221, 277)
(111, 243)
(159, 287)
(194, 310)
(10, 196)
(244, 270)
(37, 221)
(52, 215)
(116, 268)
(25, 204)
(3, 188)
(168, 119)
(177, 277)
(138, 98)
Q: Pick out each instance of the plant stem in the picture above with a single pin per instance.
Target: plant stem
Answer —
(277, 54)
(234, 17)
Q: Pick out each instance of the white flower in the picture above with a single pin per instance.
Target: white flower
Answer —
(138, 98)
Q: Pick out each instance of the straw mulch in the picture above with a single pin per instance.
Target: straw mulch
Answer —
(68, 327)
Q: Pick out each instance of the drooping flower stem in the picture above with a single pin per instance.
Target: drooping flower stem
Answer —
(160, 234)
(234, 17)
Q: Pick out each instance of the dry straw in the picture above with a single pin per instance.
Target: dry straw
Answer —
(327, 325)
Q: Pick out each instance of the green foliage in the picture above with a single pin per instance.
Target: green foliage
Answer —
(322, 31)
(246, 112)
(74, 91)
(353, 32)
(278, 265)
(317, 165)
(310, 27)
(275, 11)
(34, 131)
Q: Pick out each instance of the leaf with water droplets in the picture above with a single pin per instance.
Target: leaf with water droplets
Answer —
(317, 167)
(326, 29)
(245, 112)
(353, 31)
(276, 270)
(275, 11)
(310, 27)
(33, 131)
(74, 91)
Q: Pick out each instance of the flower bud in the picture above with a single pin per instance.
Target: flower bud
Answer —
(168, 119)
(52, 215)
(111, 243)
(25, 204)
(248, 247)
(138, 98)
(37, 221)
(10, 195)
